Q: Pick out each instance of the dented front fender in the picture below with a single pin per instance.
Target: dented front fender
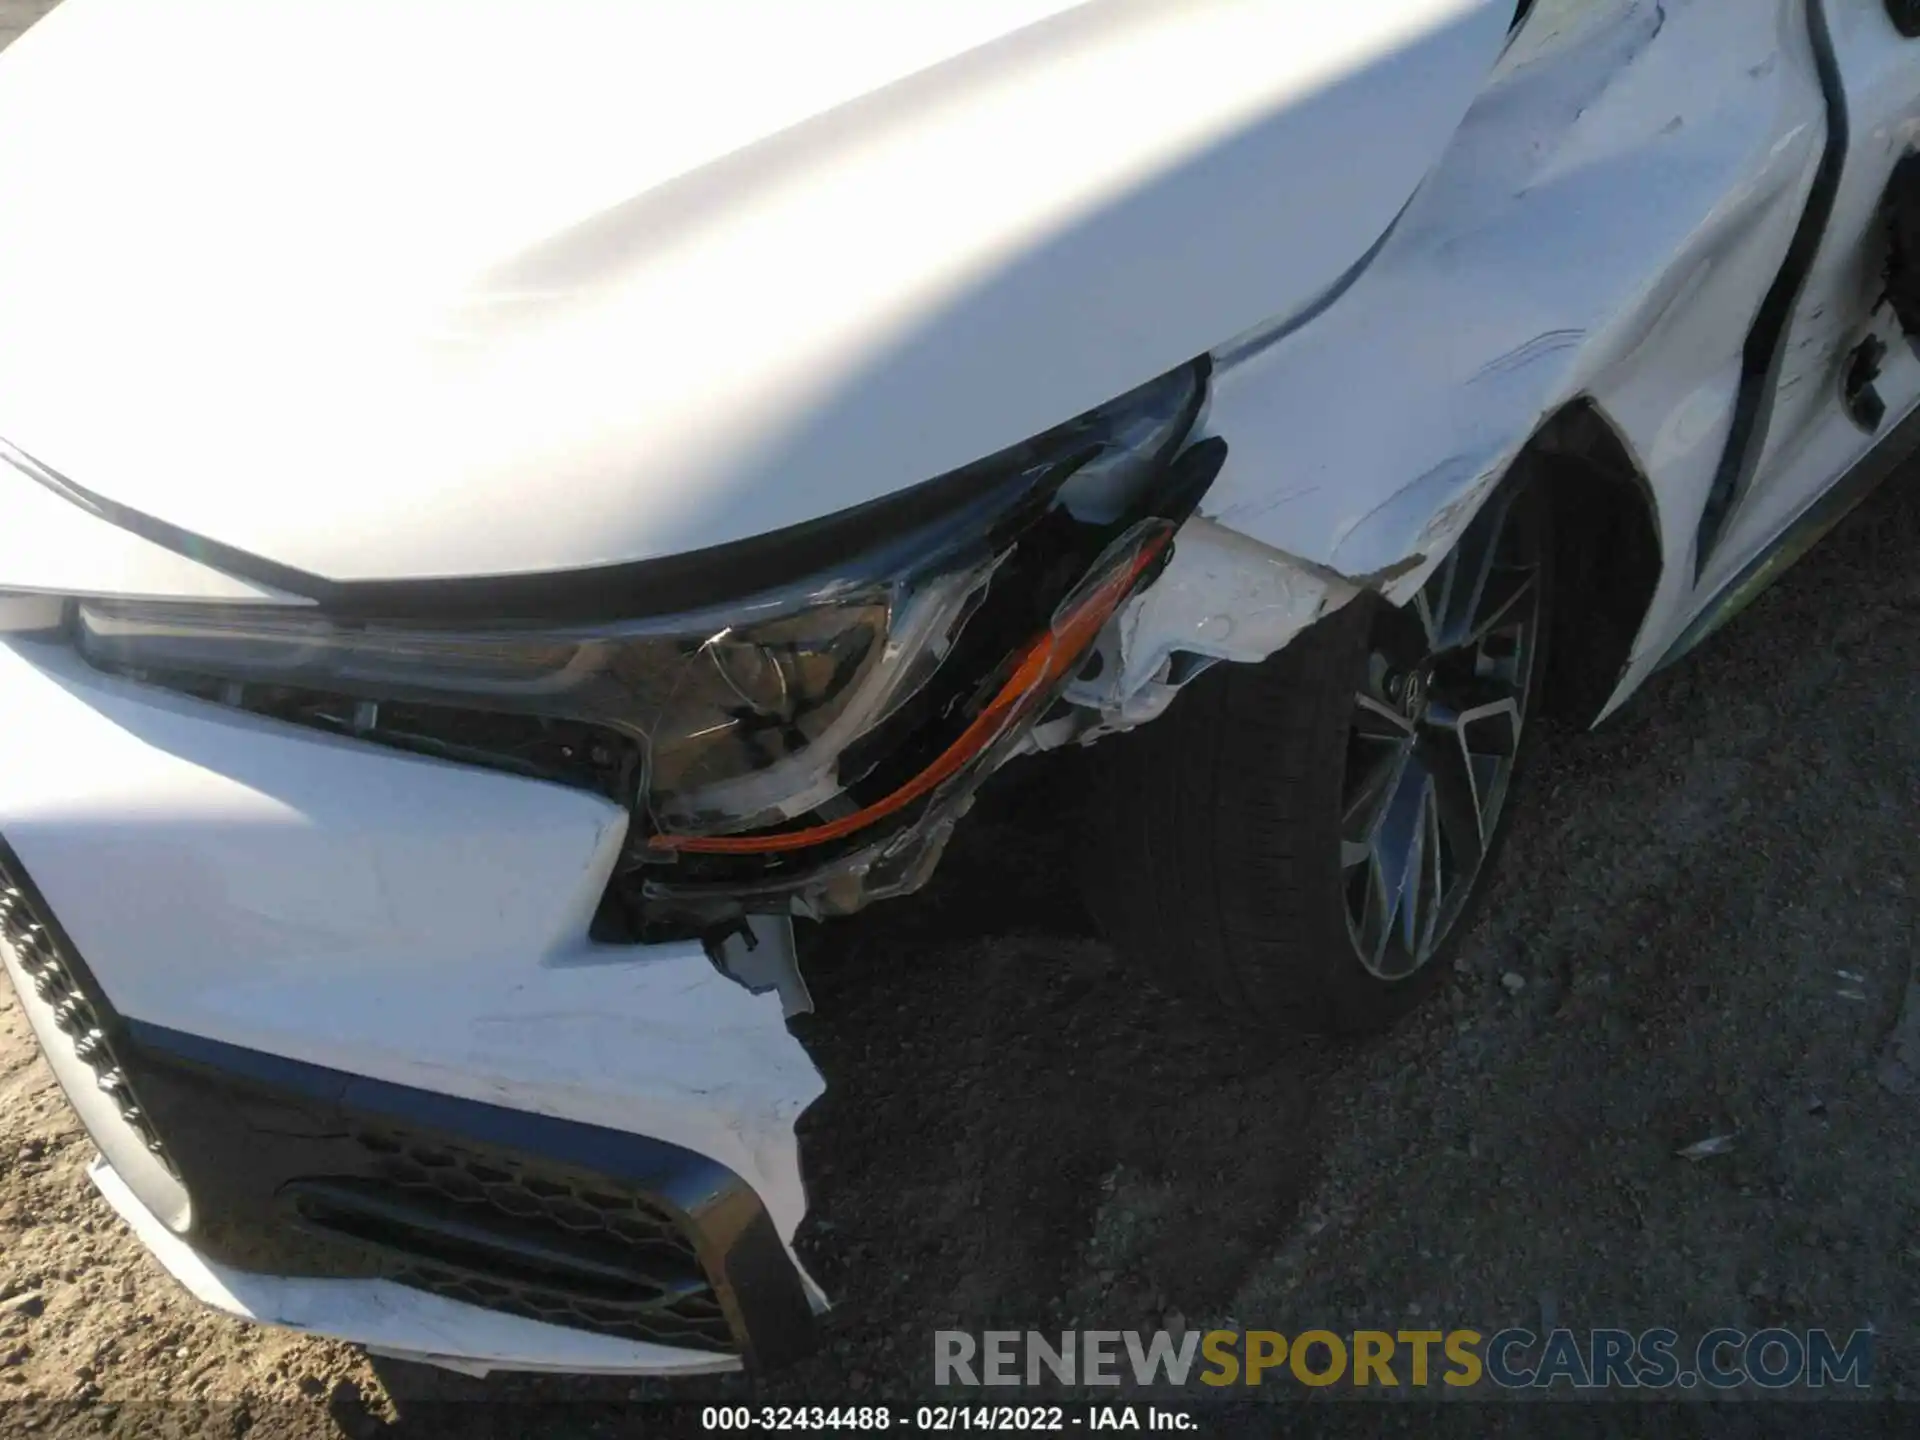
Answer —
(1597, 232)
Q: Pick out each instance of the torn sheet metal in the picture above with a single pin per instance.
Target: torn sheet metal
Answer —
(1223, 596)
(1624, 186)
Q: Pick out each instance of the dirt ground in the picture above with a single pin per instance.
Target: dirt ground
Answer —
(1016, 1133)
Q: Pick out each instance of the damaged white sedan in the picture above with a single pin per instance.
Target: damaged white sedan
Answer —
(504, 506)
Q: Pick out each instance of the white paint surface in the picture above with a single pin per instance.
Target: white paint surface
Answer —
(383, 288)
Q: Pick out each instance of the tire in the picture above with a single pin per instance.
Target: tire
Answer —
(1215, 858)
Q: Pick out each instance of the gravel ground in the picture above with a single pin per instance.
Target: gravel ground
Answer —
(1017, 1133)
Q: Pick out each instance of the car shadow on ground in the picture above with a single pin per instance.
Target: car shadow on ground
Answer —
(1017, 1130)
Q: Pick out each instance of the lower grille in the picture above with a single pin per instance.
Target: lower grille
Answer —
(493, 1229)
(54, 975)
(695, 1324)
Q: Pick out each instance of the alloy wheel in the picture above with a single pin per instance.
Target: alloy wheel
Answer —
(1434, 734)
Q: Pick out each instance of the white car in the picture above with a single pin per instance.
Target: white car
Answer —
(507, 505)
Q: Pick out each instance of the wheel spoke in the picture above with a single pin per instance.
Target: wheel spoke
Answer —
(1375, 719)
(1489, 726)
(1374, 924)
(1488, 773)
(1399, 847)
(1502, 600)
(1458, 803)
(1366, 797)
(1462, 578)
(1435, 884)
(1492, 729)
(1423, 608)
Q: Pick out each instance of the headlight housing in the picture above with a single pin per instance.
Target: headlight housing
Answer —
(820, 716)
(739, 718)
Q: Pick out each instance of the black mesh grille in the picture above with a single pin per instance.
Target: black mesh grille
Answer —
(53, 973)
(696, 1323)
(514, 1188)
(495, 1230)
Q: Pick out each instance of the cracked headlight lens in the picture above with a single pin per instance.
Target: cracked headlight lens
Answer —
(791, 705)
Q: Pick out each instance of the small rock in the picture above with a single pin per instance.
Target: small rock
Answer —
(1513, 982)
(26, 1303)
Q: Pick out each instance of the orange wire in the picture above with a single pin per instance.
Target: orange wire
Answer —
(1045, 660)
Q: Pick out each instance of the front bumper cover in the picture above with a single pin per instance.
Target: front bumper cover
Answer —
(294, 1170)
(511, 1148)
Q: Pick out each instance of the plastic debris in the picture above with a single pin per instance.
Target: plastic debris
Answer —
(1705, 1149)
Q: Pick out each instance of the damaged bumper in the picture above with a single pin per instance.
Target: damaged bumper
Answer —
(1222, 596)
(333, 1019)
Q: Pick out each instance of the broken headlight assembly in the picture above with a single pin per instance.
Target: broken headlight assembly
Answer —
(802, 748)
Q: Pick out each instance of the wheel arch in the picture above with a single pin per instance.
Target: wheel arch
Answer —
(1607, 554)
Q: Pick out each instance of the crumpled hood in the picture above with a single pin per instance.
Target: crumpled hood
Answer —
(408, 288)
